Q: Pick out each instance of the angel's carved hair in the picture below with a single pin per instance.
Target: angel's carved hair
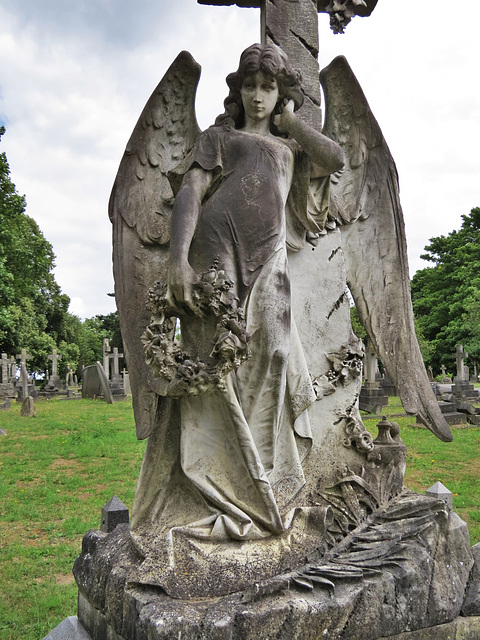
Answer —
(272, 61)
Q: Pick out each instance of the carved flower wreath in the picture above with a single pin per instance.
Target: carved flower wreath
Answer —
(184, 374)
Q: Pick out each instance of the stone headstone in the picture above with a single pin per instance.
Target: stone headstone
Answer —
(4, 370)
(106, 351)
(7, 388)
(28, 408)
(372, 396)
(445, 378)
(95, 383)
(23, 387)
(126, 383)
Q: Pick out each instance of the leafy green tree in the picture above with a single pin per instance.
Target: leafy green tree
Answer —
(32, 307)
(446, 295)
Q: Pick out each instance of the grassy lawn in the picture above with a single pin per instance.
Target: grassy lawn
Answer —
(57, 470)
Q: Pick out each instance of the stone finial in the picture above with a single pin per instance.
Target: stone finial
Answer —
(440, 491)
(113, 512)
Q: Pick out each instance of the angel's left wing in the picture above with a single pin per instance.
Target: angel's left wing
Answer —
(140, 208)
(365, 201)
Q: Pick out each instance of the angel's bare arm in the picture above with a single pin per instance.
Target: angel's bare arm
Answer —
(184, 220)
(326, 155)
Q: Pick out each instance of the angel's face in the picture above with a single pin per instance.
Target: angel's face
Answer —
(259, 96)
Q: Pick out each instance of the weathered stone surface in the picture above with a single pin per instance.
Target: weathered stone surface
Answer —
(28, 409)
(471, 605)
(424, 591)
(459, 629)
(95, 383)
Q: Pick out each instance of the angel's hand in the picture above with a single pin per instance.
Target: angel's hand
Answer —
(180, 294)
(284, 119)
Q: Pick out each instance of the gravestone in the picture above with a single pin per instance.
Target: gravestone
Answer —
(22, 386)
(106, 355)
(461, 388)
(372, 395)
(28, 408)
(116, 382)
(126, 383)
(7, 388)
(445, 378)
(233, 534)
(54, 383)
(95, 384)
(388, 386)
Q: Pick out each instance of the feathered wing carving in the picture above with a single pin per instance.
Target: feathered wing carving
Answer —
(140, 209)
(365, 201)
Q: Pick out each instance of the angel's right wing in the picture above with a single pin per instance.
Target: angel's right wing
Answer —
(365, 201)
(140, 208)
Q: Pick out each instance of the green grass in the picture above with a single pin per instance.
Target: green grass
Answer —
(57, 470)
(456, 464)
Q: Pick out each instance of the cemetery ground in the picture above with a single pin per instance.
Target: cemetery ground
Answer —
(58, 469)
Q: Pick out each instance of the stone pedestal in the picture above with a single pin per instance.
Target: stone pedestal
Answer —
(462, 389)
(363, 589)
(372, 398)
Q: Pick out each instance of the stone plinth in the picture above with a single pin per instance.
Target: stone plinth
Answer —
(372, 398)
(362, 604)
(462, 389)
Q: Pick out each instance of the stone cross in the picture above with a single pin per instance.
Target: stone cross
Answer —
(23, 357)
(115, 356)
(293, 25)
(106, 350)
(54, 357)
(444, 371)
(460, 355)
(5, 362)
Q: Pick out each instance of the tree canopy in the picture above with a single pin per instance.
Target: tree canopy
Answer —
(446, 295)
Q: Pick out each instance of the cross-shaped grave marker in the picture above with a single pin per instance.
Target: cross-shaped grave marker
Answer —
(293, 25)
(54, 357)
(23, 357)
(115, 357)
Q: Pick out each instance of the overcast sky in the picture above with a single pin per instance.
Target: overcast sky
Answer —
(76, 75)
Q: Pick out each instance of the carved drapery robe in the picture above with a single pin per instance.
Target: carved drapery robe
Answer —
(238, 465)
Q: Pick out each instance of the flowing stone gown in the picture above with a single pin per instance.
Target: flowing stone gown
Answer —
(238, 465)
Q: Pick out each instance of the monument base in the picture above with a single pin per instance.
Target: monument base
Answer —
(405, 568)
(464, 628)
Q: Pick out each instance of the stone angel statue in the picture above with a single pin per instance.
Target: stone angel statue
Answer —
(233, 248)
